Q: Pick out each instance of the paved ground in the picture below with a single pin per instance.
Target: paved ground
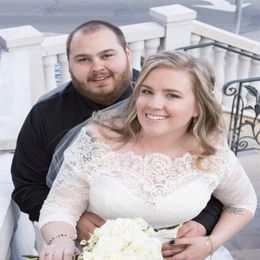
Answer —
(61, 16)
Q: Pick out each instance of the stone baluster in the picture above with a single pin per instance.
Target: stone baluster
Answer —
(151, 47)
(231, 74)
(206, 52)
(219, 65)
(137, 49)
(54, 56)
(243, 72)
(64, 68)
(244, 66)
(178, 22)
(195, 39)
(254, 72)
(49, 63)
(231, 66)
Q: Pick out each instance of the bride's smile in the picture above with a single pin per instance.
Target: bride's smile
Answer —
(156, 117)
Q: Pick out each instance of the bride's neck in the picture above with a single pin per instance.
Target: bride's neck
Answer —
(170, 146)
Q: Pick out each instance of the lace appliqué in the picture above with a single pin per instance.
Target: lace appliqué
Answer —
(149, 177)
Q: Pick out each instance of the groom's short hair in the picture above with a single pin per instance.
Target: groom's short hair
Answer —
(93, 26)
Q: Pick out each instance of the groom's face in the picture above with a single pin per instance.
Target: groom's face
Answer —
(99, 66)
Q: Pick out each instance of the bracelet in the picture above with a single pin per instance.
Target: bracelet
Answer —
(58, 236)
(209, 240)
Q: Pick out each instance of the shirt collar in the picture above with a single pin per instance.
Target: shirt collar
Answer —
(86, 106)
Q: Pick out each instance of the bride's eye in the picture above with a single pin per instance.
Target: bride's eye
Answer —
(146, 91)
(171, 95)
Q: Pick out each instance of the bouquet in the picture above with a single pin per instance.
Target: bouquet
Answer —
(123, 239)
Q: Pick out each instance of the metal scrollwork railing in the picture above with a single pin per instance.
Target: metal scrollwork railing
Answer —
(244, 125)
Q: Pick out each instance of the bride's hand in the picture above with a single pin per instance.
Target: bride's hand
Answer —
(196, 248)
(87, 223)
(169, 250)
(187, 229)
(62, 249)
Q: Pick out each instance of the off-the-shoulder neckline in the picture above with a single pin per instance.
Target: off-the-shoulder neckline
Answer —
(137, 155)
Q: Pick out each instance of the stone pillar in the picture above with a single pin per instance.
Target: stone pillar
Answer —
(21, 79)
(177, 20)
(28, 40)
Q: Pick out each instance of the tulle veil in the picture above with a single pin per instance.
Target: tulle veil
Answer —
(71, 137)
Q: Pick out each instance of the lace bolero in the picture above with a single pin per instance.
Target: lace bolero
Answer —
(162, 190)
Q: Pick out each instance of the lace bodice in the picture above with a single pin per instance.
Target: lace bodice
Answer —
(162, 190)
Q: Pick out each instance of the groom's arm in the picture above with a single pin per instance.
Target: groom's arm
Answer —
(210, 215)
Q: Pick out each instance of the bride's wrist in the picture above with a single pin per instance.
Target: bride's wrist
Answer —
(210, 244)
(61, 236)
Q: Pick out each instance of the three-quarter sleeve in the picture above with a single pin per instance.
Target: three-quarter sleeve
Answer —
(68, 197)
(235, 188)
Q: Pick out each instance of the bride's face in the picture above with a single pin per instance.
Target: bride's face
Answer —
(166, 102)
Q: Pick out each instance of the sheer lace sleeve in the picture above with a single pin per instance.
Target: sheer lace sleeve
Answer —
(68, 197)
(235, 188)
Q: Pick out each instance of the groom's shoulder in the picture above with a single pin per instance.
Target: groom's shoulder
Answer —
(54, 95)
(55, 101)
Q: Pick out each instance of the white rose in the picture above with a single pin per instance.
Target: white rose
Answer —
(124, 239)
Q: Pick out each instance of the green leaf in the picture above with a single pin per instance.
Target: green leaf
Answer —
(35, 257)
(252, 91)
(257, 110)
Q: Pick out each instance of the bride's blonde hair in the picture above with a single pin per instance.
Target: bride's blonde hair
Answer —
(209, 120)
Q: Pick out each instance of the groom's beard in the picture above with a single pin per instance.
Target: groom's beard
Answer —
(105, 94)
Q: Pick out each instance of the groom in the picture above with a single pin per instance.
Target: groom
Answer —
(100, 67)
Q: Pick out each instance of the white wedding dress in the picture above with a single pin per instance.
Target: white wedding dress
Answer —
(161, 190)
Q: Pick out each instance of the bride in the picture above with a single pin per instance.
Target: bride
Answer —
(159, 155)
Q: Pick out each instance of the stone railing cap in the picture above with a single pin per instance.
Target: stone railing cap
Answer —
(19, 37)
(172, 13)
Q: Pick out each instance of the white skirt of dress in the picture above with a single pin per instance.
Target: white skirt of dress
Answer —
(220, 254)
